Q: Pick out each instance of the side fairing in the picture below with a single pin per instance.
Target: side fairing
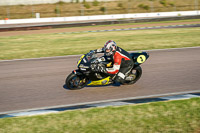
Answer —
(104, 81)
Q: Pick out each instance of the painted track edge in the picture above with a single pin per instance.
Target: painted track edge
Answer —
(102, 101)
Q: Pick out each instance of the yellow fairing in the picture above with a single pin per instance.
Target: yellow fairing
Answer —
(80, 59)
(101, 82)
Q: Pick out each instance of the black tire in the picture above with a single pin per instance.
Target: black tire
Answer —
(72, 78)
(137, 71)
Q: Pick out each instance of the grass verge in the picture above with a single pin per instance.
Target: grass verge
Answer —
(174, 116)
(47, 45)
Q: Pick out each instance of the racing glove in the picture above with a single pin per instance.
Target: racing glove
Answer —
(100, 50)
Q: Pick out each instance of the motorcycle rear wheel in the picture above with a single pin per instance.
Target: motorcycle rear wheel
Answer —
(75, 82)
(137, 71)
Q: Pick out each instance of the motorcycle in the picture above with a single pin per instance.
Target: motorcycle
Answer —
(85, 76)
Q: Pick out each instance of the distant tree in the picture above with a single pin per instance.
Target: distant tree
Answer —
(60, 2)
(146, 7)
(120, 5)
(57, 10)
(163, 2)
(103, 9)
(171, 4)
(95, 3)
(87, 5)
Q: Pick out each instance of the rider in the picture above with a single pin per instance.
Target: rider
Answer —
(122, 61)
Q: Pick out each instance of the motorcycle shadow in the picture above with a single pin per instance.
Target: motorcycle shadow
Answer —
(117, 85)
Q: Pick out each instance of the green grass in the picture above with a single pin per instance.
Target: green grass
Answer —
(46, 45)
(182, 116)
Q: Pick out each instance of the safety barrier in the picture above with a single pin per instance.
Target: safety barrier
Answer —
(101, 17)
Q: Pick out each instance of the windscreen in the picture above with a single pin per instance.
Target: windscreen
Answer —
(90, 56)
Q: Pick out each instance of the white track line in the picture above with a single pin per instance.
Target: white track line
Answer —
(185, 96)
(103, 101)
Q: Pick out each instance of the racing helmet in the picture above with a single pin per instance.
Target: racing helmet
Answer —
(110, 48)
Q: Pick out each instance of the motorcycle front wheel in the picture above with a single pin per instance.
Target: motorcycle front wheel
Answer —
(75, 82)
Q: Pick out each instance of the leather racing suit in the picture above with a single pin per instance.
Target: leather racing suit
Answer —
(122, 64)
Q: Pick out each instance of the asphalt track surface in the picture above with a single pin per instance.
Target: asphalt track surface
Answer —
(35, 83)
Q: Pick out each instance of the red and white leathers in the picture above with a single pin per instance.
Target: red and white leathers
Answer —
(122, 63)
(120, 60)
